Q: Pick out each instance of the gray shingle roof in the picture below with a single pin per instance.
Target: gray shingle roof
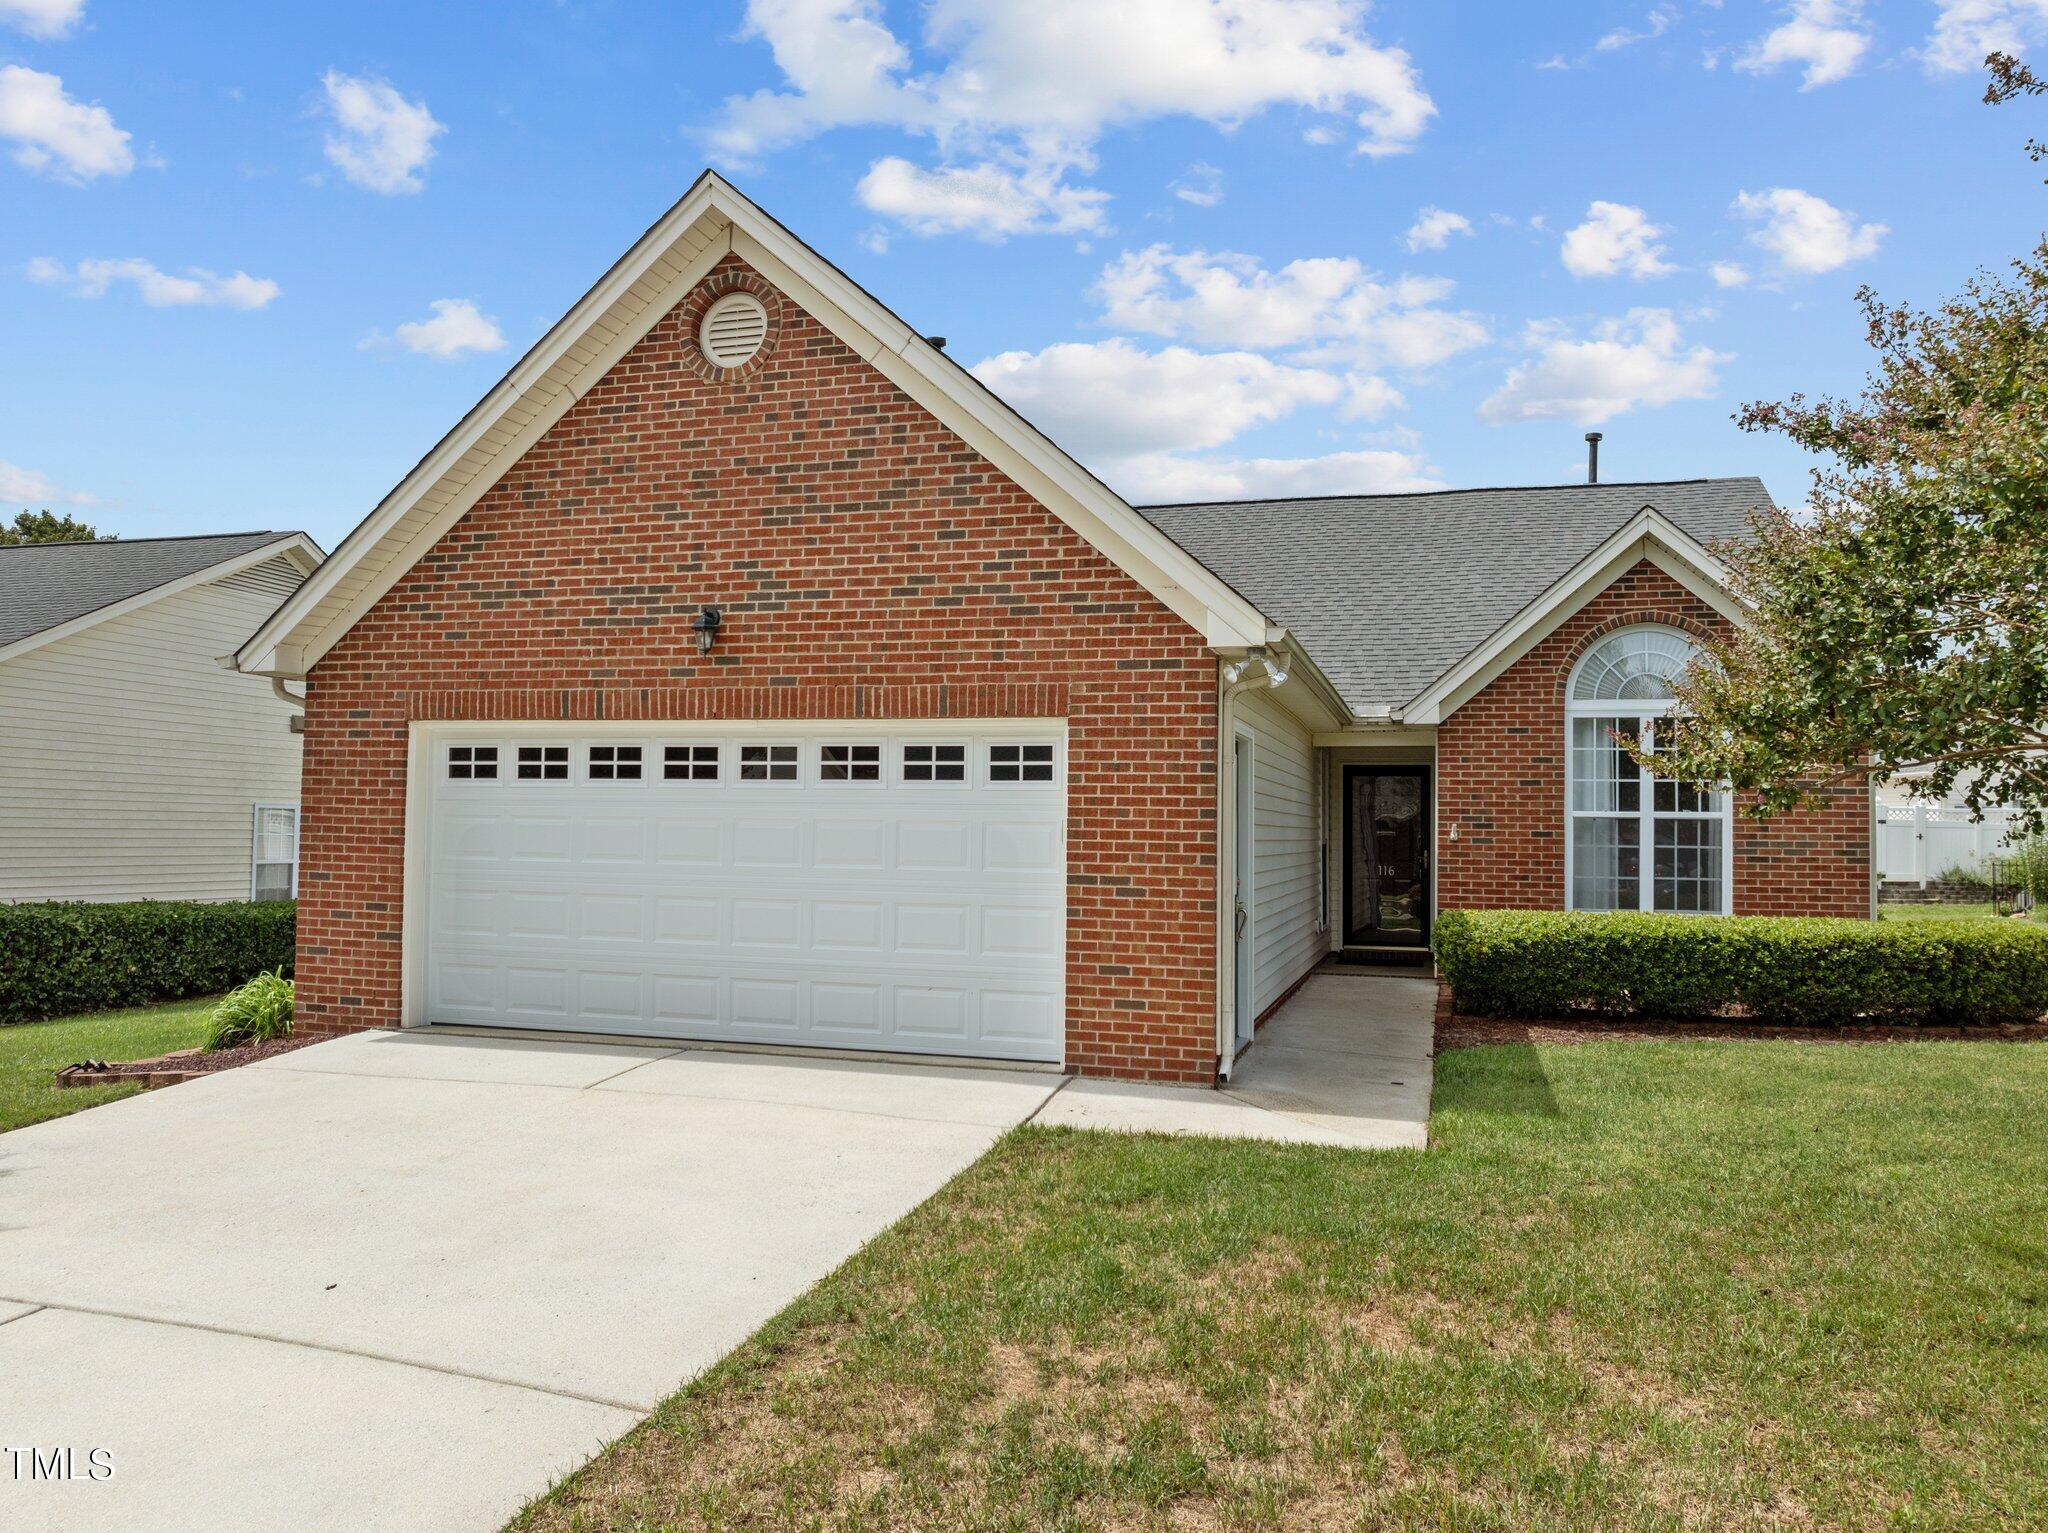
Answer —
(45, 584)
(1388, 592)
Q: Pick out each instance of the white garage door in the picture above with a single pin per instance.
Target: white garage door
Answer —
(843, 886)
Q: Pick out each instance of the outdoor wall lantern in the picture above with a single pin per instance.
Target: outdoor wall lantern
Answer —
(706, 628)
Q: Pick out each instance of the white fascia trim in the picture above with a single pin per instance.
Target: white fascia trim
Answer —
(302, 549)
(258, 654)
(1648, 535)
(1106, 521)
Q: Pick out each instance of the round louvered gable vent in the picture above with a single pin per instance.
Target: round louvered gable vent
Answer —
(733, 329)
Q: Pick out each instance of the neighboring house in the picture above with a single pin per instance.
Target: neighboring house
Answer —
(134, 763)
(979, 760)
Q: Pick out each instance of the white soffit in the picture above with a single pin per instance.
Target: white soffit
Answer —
(1649, 536)
(649, 280)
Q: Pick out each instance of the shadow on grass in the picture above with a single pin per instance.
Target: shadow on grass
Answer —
(1505, 1079)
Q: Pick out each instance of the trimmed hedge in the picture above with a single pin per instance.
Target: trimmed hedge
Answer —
(1809, 970)
(59, 959)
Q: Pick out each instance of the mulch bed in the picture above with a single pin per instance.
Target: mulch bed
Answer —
(1455, 1030)
(185, 1065)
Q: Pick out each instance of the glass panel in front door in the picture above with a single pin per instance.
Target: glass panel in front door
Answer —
(1389, 871)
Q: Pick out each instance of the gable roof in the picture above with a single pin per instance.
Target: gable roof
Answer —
(48, 586)
(1389, 593)
(711, 220)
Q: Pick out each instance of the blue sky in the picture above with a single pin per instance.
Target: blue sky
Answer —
(254, 260)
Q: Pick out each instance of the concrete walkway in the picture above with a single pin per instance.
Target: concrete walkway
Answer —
(402, 1281)
(1348, 1060)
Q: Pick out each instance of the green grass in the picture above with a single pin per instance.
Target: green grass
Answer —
(1983, 912)
(1636, 1285)
(32, 1052)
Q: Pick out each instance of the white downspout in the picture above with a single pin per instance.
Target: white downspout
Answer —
(1227, 693)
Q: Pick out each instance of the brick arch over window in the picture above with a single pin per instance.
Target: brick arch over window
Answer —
(1501, 782)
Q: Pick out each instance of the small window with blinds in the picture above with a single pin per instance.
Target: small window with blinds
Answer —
(274, 857)
(733, 329)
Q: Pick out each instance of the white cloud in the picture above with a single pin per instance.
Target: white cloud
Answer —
(158, 289)
(1433, 228)
(1367, 396)
(1654, 26)
(1625, 364)
(1615, 239)
(1805, 233)
(44, 19)
(1163, 477)
(379, 140)
(458, 326)
(1110, 399)
(1331, 309)
(25, 487)
(1141, 419)
(1035, 83)
(1202, 185)
(987, 199)
(1729, 274)
(1966, 30)
(1825, 37)
(55, 135)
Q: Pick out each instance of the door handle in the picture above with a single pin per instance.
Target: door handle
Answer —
(1238, 930)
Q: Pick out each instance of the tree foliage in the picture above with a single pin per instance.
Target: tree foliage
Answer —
(1902, 620)
(48, 527)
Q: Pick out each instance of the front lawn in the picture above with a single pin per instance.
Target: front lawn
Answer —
(32, 1052)
(1984, 912)
(1648, 1285)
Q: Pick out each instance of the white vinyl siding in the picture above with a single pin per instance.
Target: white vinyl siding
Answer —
(1286, 896)
(131, 762)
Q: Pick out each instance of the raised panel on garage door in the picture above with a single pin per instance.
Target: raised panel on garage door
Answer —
(839, 886)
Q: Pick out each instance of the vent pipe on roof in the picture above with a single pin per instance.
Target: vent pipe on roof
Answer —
(1592, 457)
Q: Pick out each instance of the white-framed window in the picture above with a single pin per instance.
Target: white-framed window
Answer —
(1634, 840)
(274, 852)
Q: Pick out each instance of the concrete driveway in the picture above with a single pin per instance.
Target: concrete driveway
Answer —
(402, 1281)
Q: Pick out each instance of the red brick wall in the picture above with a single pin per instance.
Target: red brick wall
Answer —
(869, 565)
(1501, 781)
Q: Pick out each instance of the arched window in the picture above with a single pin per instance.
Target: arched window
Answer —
(1636, 841)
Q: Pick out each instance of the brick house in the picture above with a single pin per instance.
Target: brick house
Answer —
(742, 669)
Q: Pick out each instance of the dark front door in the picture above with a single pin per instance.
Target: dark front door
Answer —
(1386, 856)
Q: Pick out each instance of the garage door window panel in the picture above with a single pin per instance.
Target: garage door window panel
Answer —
(850, 763)
(472, 763)
(1020, 763)
(690, 763)
(768, 763)
(543, 763)
(615, 763)
(934, 763)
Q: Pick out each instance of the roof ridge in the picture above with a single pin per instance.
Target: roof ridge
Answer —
(175, 537)
(1478, 489)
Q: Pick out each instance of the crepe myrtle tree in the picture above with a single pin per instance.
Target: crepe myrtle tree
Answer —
(1901, 620)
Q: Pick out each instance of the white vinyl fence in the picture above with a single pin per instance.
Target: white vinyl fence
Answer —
(1918, 841)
